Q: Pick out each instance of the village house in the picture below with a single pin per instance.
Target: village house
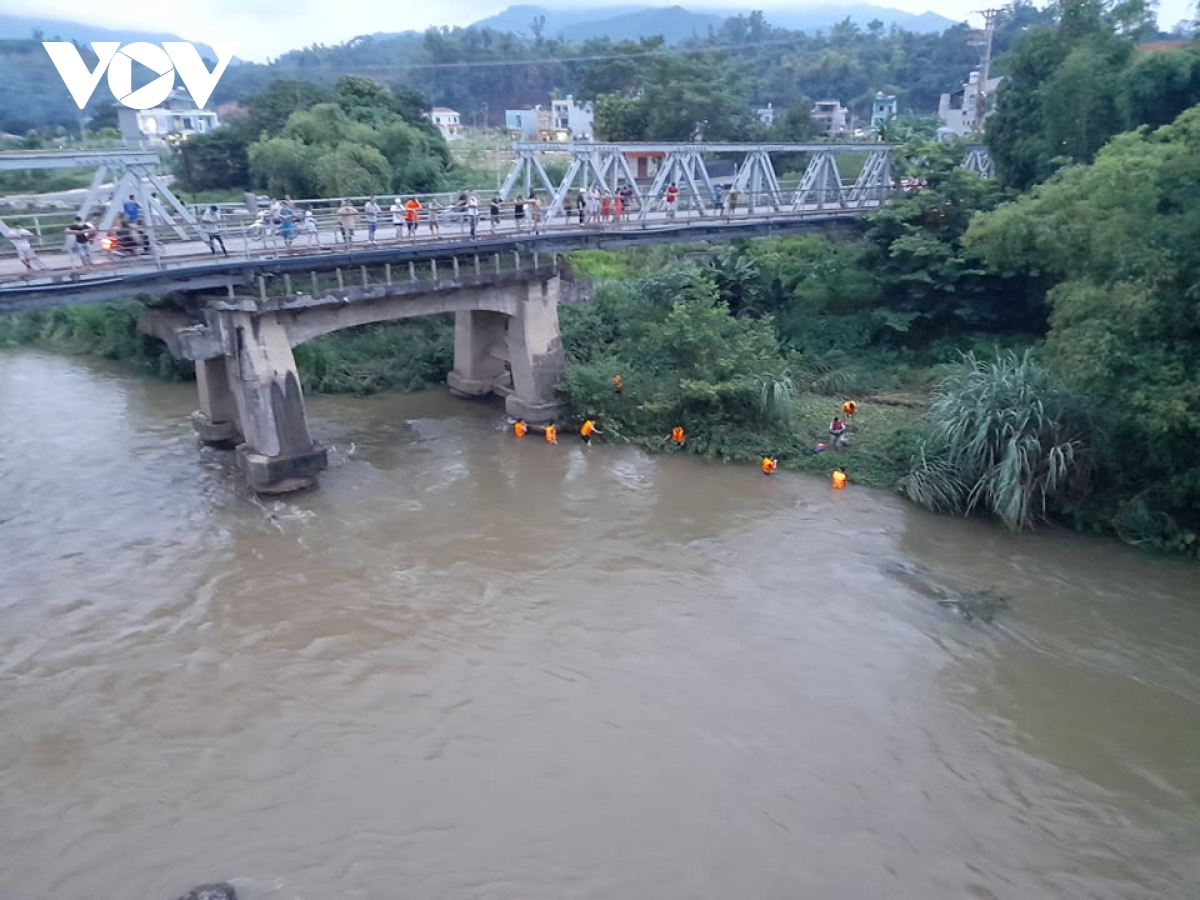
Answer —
(447, 121)
(176, 117)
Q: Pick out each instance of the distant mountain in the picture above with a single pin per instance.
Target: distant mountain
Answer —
(676, 23)
(617, 22)
(23, 27)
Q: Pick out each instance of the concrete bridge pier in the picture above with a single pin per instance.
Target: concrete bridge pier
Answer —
(277, 454)
(216, 421)
(535, 354)
(523, 340)
(480, 352)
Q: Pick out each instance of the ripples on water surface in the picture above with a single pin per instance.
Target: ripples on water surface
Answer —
(468, 667)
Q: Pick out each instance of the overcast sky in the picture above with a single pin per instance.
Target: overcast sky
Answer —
(269, 28)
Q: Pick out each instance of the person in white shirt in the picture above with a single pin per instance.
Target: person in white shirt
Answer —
(310, 228)
(211, 219)
(372, 211)
(473, 212)
(397, 212)
(20, 240)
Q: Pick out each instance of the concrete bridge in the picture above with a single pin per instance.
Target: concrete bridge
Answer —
(506, 342)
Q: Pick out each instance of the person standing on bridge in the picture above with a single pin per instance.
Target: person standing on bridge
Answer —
(287, 222)
(20, 240)
(397, 211)
(494, 212)
(733, 199)
(80, 235)
(412, 215)
(672, 194)
(535, 213)
(473, 213)
(132, 210)
(719, 198)
(346, 216)
(211, 219)
(372, 211)
(310, 228)
(519, 213)
(582, 208)
(435, 216)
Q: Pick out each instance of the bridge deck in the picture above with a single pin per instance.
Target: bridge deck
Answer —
(191, 267)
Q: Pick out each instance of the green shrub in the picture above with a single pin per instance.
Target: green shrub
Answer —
(1006, 436)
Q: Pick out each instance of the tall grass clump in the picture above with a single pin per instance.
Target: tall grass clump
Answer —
(1006, 436)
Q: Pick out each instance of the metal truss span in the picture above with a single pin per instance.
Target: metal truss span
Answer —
(693, 168)
(118, 175)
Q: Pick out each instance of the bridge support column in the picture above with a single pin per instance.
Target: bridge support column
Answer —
(535, 353)
(278, 455)
(216, 421)
(479, 337)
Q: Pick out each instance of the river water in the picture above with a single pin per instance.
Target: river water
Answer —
(472, 667)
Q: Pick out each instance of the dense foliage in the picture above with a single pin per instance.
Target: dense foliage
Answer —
(1120, 239)
(1073, 84)
(307, 141)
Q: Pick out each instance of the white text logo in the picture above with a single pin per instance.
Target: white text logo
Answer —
(164, 61)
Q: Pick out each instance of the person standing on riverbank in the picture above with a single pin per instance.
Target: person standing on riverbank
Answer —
(837, 431)
(677, 435)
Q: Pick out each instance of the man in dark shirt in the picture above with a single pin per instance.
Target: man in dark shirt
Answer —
(81, 248)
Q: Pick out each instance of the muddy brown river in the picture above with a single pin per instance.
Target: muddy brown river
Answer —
(472, 667)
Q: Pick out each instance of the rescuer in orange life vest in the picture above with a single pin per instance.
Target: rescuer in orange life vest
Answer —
(617, 385)
(551, 434)
(519, 428)
(849, 408)
(769, 465)
(677, 435)
(587, 429)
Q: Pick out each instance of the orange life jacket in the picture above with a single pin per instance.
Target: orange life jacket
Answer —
(412, 206)
(587, 428)
(768, 465)
(551, 434)
(677, 434)
(839, 480)
(849, 407)
(519, 429)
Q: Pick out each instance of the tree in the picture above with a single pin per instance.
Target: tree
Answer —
(931, 283)
(1120, 240)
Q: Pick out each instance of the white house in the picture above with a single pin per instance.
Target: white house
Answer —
(959, 111)
(766, 115)
(447, 121)
(572, 120)
(177, 116)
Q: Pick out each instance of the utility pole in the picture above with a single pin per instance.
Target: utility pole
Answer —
(985, 67)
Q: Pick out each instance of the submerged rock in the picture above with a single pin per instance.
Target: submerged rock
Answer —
(220, 891)
(973, 604)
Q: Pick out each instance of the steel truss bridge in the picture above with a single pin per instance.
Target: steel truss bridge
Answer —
(687, 165)
(605, 167)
